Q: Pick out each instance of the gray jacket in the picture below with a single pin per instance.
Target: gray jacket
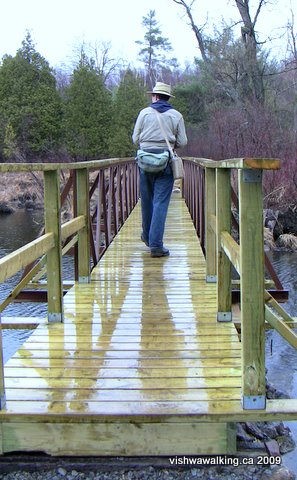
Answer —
(147, 132)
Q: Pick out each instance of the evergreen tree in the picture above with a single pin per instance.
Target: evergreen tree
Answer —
(87, 113)
(129, 99)
(154, 48)
(30, 107)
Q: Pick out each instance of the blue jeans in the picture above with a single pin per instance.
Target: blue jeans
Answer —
(155, 193)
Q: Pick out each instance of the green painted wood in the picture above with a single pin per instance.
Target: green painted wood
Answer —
(82, 183)
(223, 216)
(54, 256)
(252, 292)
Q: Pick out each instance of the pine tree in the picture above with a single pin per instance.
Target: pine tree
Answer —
(154, 48)
(87, 113)
(30, 107)
(129, 99)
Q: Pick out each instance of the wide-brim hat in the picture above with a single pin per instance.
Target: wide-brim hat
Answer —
(162, 88)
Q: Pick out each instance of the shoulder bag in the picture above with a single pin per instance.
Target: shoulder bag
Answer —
(176, 162)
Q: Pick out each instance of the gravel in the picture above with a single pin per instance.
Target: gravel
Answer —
(155, 473)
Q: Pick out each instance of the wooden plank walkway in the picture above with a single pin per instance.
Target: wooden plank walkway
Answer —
(140, 364)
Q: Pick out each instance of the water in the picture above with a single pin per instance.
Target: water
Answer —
(17, 230)
(281, 359)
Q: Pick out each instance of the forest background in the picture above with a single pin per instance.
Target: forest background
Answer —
(237, 100)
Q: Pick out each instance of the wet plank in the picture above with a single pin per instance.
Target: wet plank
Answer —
(142, 334)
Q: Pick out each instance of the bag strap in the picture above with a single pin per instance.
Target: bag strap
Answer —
(163, 131)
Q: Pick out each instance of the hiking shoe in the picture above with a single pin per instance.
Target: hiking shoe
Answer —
(144, 240)
(159, 252)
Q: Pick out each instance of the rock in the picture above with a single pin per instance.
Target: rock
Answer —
(286, 223)
(29, 205)
(278, 473)
(256, 429)
(62, 471)
(287, 241)
(5, 209)
(272, 448)
(286, 443)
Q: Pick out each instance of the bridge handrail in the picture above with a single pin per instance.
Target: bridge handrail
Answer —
(117, 187)
(222, 251)
(237, 163)
(79, 224)
(46, 166)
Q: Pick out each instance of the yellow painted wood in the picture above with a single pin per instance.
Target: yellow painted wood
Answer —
(271, 302)
(252, 288)
(146, 327)
(281, 327)
(147, 411)
(24, 281)
(231, 249)
(116, 439)
(263, 163)
(15, 261)
(77, 370)
(47, 167)
(206, 366)
(238, 163)
(210, 234)
(140, 345)
(82, 189)
(72, 226)
(223, 217)
(2, 384)
(54, 256)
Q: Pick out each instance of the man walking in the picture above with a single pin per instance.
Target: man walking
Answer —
(156, 188)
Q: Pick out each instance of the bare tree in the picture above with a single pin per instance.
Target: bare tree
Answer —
(248, 35)
(197, 30)
(253, 73)
(99, 55)
(292, 36)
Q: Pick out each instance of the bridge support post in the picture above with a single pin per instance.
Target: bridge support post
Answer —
(210, 230)
(82, 183)
(2, 386)
(52, 208)
(252, 290)
(223, 223)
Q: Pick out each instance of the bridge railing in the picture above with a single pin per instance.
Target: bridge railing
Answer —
(113, 193)
(100, 207)
(208, 192)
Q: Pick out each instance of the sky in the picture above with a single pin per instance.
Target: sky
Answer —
(58, 27)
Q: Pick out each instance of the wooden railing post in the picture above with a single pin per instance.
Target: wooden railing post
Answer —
(223, 223)
(252, 289)
(54, 256)
(2, 386)
(82, 188)
(210, 233)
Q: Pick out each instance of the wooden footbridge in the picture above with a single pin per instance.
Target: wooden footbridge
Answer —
(141, 355)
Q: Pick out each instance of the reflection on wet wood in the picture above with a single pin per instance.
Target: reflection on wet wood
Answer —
(140, 340)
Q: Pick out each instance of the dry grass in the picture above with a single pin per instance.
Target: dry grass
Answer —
(13, 186)
(287, 241)
(268, 239)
